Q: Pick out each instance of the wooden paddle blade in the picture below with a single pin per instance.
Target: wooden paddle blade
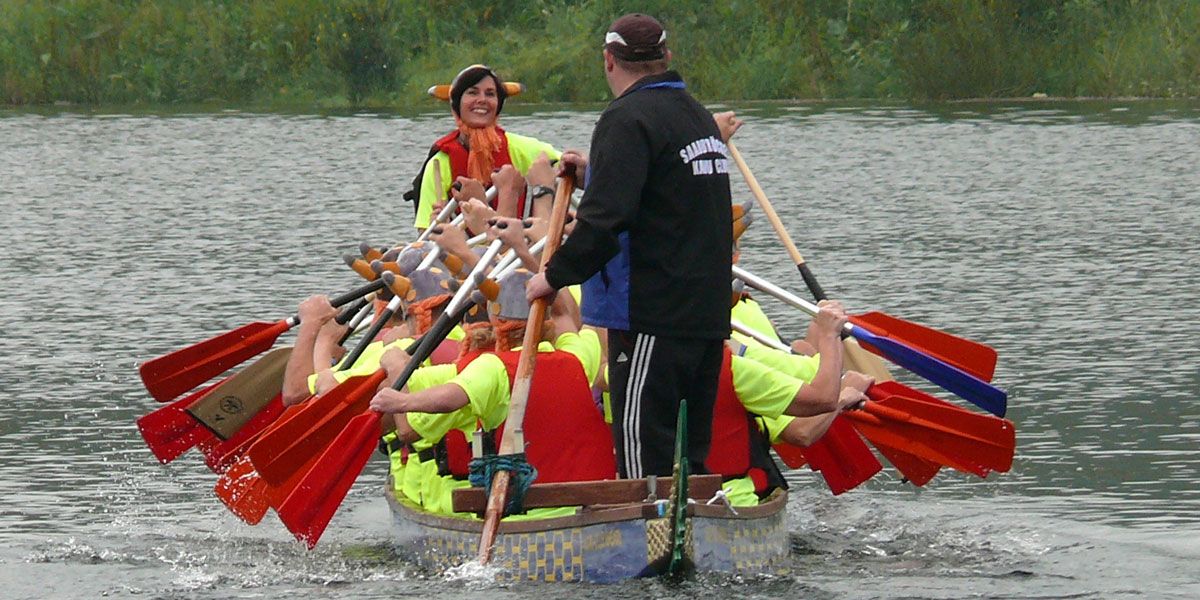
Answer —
(238, 399)
(949, 377)
(309, 508)
(227, 451)
(988, 440)
(170, 431)
(842, 458)
(243, 492)
(884, 432)
(278, 454)
(971, 356)
(168, 376)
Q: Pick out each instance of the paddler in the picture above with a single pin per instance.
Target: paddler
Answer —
(477, 147)
(566, 438)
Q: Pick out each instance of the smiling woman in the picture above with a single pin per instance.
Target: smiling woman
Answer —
(477, 146)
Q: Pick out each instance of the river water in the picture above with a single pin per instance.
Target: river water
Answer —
(1062, 234)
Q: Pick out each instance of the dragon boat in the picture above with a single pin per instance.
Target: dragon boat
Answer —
(620, 530)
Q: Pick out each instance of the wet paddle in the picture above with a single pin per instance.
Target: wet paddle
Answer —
(846, 471)
(170, 431)
(168, 376)
(949, 377)
(232, 411)
(514, 438)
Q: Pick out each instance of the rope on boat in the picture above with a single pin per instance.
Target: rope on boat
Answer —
(483, 470)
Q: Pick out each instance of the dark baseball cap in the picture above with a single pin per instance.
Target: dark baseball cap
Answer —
(636, 37)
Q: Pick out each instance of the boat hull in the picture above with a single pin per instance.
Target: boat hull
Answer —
(601, 545)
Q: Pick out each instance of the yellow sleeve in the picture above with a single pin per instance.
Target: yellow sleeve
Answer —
(429, 192)
(433, 427)
(798, 366)
(576, 293)
(775, 426)
(368, 363)
(427, 377)
(523, 150)
(456, 334)
(585, 345)
(748, 312)
(485, 381)
(762, 390)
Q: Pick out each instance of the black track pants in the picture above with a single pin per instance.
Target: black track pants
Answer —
(647, 377)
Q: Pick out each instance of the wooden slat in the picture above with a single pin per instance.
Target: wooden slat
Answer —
(590, 493)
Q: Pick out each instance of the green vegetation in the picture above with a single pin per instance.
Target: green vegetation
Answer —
(384, 53)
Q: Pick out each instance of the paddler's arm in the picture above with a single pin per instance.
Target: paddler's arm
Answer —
(314, 312)
(541, 174)
(509, 185)
(826, 384)
(444, 398)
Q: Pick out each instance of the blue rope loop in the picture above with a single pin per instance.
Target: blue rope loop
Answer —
(522, 475)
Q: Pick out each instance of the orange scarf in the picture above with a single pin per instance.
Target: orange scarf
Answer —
(482, 145)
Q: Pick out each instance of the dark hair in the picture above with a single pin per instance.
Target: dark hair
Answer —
(471, 76)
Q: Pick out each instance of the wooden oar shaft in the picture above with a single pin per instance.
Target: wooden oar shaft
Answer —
(776, 223)
(765, 204)
(514, 438)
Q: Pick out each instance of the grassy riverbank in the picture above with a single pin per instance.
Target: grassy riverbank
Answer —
(384, 53)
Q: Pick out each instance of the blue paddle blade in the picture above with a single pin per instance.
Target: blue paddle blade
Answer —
(951, 378)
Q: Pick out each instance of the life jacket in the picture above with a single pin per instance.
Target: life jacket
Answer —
(458, 161)
(737, 447)
(566, 438)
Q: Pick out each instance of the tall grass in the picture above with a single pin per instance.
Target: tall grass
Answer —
(386, 52)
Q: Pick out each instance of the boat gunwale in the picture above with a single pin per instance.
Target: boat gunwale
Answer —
(589, 515)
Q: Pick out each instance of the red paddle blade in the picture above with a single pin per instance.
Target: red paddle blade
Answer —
(886, 432)
(968, 355)
(792, 456)
(982, 426)
(842, 458)
(224, 453)
(913, 468)
(279, 453)
(170, 431)
(987, 440)
(170, 375)
(243, 492)
(309, 508)
(279, 493)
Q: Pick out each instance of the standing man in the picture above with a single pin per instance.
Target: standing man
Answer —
(652, 242)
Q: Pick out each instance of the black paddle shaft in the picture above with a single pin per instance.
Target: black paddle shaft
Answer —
(424, 347)
(348, 297)
(811, 281)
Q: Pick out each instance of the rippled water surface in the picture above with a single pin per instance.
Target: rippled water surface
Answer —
(1064, 235)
